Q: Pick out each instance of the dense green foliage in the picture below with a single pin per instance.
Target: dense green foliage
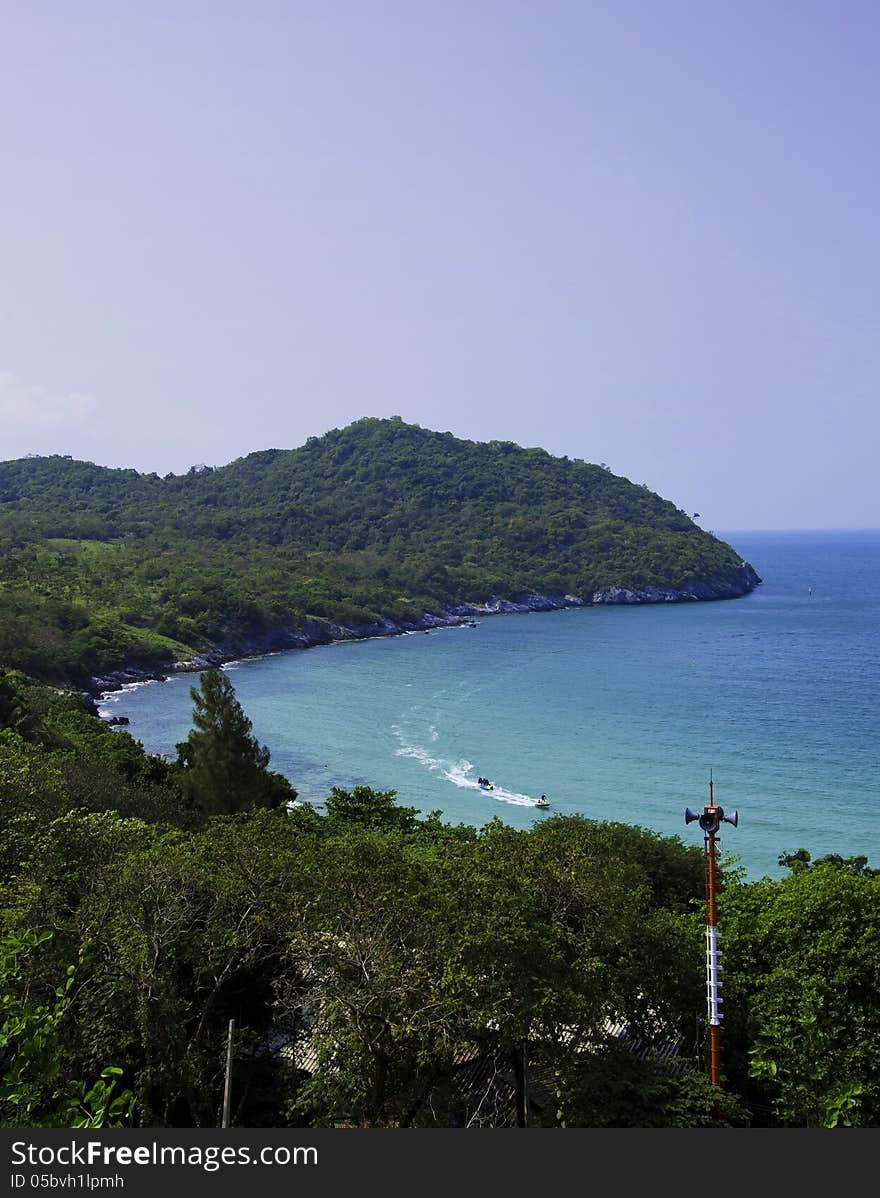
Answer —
(100, 568)
(221, 767)
(389, 970)
(30, 1093)
(803, 980)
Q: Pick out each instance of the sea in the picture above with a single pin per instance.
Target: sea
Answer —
(621, 713)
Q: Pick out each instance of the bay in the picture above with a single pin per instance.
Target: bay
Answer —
(615, 713)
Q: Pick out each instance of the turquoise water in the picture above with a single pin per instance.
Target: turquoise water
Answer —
(613, 712)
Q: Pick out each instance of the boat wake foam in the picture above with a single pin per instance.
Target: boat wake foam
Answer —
(460, 773)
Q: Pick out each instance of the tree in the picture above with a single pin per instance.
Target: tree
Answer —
(803, 860)
(802, 982)
(419, 958)
(14, 711)
(222, 767)
(618, 1087)
(33, 1090)
(381, 1007)
(570, 931)
(364, 807)
(182, 936)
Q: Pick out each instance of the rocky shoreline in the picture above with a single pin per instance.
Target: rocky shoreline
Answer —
(314, 632)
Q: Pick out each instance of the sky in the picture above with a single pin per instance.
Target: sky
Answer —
(640, 233)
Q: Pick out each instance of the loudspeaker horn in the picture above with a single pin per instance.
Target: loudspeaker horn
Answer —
(690, 816)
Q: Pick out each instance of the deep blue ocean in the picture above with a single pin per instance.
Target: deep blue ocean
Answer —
(616, 713)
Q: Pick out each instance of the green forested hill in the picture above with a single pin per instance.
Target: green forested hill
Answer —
(101, 567)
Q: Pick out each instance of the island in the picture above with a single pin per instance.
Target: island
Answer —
(378, 528)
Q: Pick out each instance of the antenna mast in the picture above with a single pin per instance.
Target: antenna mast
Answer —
(710, 821)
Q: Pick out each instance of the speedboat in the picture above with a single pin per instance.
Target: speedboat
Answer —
(542, 802)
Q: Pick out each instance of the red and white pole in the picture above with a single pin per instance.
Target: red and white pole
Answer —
(713, 968)
(710, 821)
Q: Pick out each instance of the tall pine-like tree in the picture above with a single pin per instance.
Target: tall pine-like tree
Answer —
(222, 767)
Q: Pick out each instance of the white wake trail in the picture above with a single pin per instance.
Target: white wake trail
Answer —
(459, 773)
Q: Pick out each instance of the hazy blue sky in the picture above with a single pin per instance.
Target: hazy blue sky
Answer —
(640, 233)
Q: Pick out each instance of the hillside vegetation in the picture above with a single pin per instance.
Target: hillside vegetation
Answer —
(100, 568)
(387, 970)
